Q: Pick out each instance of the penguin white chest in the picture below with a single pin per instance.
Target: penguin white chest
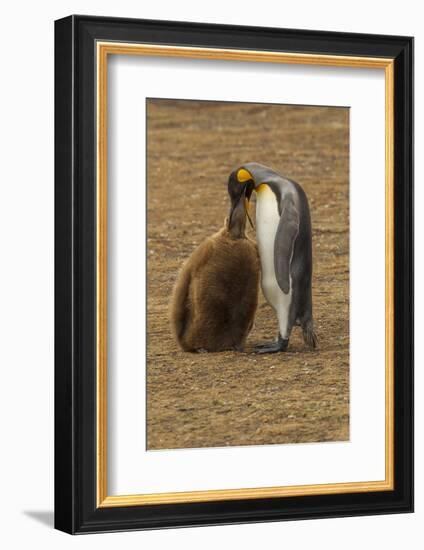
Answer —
(267, 220)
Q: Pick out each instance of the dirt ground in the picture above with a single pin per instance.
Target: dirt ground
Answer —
(220, 399)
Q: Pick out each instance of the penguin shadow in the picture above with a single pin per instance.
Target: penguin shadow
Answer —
(297, 347)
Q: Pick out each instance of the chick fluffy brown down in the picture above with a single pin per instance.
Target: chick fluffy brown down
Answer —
(215, 297)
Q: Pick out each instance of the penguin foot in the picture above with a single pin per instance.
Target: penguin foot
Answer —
(272, 347)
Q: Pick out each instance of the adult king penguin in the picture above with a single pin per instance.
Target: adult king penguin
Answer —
(283, 231)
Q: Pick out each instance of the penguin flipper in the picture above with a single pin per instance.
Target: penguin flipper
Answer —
(287, 231)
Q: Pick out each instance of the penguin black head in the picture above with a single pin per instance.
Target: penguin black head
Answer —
(240, 188)
(239, 182)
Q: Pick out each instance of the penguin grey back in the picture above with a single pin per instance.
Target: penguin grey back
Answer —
(294, 236)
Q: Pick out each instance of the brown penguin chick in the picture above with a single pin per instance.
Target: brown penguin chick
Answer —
(216, 294)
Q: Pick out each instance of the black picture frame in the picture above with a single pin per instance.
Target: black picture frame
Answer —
(76, 510)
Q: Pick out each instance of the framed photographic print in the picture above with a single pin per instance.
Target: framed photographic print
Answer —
(234, 274)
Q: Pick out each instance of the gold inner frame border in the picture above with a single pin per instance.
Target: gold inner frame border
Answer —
(103, 50)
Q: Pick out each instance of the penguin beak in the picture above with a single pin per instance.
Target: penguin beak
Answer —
(247, 207)
(247, 194)
(242, 200)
